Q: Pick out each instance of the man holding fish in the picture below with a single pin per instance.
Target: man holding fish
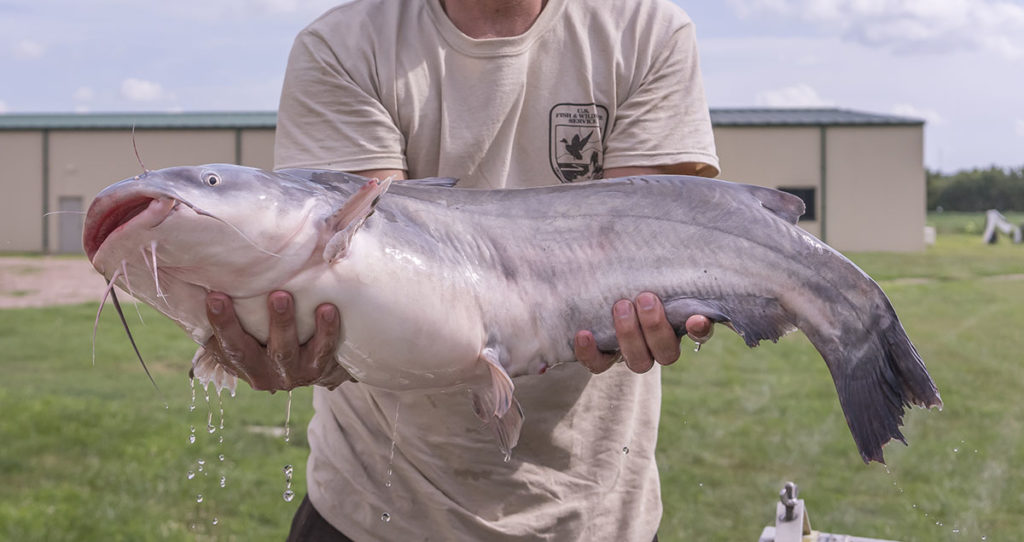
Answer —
(499, 94)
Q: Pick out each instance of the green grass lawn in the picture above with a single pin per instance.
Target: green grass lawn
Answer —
(91, 453)
(738, 423)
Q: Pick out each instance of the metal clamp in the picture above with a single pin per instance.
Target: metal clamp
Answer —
(788, 499)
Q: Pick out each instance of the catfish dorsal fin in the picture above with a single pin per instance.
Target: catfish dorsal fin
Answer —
(783, 204)
(346, 220)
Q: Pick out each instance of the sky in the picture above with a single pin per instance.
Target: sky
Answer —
(957, 64)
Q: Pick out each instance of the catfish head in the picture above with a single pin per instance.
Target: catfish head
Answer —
(170, 236)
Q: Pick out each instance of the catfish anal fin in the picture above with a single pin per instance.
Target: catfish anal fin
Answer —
(497, 406)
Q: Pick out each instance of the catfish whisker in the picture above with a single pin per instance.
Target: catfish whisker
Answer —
(64, 213)
(127, 283)
(103, 301)
(201, 212)
(156, 274)
(124, 322)
(136, 149)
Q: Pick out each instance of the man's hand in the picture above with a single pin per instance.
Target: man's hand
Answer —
(644, 334)
(283, 364)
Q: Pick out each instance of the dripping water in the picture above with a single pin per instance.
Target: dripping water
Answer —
(394, 440)
(288, 418)
(288, 494)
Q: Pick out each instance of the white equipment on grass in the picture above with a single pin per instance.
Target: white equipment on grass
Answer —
(995, 221)
(792, 524)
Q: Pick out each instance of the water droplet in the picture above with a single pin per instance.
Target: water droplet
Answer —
(288, 470)
(199, 497)
(220, 440)
(192, 439)
(215, 521)
(625, 449)
(223, 480)
(385, 517)
(221, 457)
(288, 418)
(956, 531)
(211, 429)
(956, 450)
(190, 475)
(201, 461)
(288, 495)
(394, 441)
(696, 347)
(701, 484)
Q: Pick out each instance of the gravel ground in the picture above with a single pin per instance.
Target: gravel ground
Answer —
(42, 281)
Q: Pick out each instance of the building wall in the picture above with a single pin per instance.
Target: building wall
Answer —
(773, 157)
(258, 148)
(872, 197)
(21, 179)
(876, 191)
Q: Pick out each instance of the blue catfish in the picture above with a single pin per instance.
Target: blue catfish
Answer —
(515, 272)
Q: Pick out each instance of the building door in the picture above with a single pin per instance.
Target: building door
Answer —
(69, 224)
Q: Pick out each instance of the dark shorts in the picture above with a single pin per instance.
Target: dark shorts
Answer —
(309, 526)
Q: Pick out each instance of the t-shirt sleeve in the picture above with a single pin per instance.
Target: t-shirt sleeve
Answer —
(331, 115)
(665, 119)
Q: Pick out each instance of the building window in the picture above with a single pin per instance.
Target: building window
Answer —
(806, 194)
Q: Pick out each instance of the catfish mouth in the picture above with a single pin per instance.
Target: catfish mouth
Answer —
(120, 213)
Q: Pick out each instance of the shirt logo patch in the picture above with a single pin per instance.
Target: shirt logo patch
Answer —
(576, 141)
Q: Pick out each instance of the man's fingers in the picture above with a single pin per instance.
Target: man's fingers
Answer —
(229, 340)
(661, 339)
(283, 341)
(587, 353)
(325, 339)
(631, 337)
(699, 328)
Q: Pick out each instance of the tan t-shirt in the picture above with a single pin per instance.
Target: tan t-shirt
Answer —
(593, 84)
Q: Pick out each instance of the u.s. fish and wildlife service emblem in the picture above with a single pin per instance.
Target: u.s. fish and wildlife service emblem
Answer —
(576, 141)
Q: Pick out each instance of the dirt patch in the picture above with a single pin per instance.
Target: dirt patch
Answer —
(47, 280)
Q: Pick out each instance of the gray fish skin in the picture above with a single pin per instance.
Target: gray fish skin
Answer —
(443, 287)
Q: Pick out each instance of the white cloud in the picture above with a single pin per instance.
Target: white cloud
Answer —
(930, 116)
(140, 90)
(203, 9)
(908, 26)
(3, 107)
(801, 95)
(83, 94)
(28, 50)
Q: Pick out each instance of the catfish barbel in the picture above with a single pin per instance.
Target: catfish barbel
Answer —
(441, 288)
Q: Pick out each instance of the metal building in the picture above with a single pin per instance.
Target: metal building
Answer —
(861, 174)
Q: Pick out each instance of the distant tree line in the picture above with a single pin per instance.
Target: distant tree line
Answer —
(977, 190)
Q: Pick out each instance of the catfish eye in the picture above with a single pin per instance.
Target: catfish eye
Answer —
(211, 179)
